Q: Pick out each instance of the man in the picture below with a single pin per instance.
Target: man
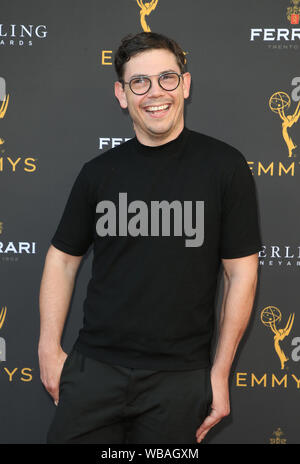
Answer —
(163, 211)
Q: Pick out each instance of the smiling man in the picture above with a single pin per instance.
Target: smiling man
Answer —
(141, 369)
(157, 113)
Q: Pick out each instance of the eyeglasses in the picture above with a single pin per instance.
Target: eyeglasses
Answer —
(142, 84)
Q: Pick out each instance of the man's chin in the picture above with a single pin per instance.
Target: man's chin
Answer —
(158, 130)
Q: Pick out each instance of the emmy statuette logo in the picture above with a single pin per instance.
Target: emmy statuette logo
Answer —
(146, 9)
(278, 103)
(2, 341)
(24, 373)
(4, 99)
(270, 317)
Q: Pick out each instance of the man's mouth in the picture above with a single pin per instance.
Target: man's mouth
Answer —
(157, 110)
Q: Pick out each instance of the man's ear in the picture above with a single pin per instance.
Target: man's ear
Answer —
(120, 94)
(187, 78)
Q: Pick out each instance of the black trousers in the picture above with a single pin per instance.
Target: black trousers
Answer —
(104, 403)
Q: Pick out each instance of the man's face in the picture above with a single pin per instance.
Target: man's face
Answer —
(154, 127)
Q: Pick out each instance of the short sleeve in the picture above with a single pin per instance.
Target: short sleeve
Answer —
(74, 233)
(240, 232)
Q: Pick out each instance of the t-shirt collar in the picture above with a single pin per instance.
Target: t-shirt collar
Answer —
(165, 149)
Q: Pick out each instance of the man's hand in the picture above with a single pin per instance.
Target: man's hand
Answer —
(51, 364)
(220, 406)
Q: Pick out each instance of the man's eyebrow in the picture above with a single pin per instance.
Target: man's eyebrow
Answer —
(145, 75)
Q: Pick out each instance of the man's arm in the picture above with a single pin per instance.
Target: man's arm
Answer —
(240, 280)
(56, 290)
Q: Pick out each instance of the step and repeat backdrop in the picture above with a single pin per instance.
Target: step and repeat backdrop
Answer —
(58, 110)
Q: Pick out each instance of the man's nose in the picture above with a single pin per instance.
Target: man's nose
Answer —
(155, 89)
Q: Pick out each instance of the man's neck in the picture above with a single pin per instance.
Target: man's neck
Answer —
(158, 139)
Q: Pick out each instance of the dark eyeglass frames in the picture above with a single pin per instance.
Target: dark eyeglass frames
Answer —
(140, 85)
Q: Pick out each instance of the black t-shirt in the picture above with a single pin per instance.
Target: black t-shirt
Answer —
(160, 219)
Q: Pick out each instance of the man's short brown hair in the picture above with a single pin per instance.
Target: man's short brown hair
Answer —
(133, 44)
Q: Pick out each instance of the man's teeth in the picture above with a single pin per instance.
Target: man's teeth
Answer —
(157, 108)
